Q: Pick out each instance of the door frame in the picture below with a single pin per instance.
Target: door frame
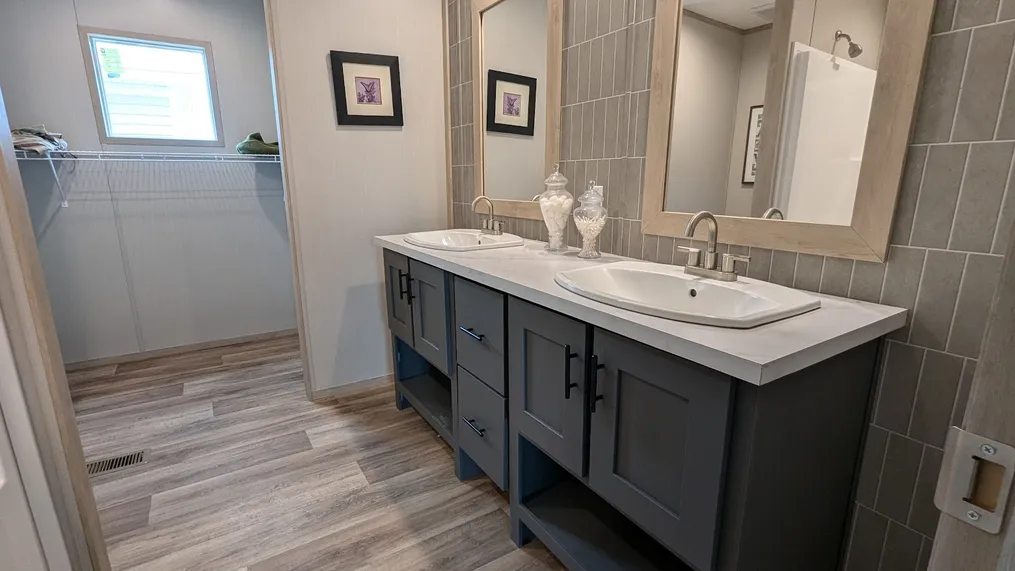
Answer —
(288, 184)
(29, 323)
(957, 544)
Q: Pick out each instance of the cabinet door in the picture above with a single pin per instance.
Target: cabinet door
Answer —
(546, 369)
(431, 336)
(657, 444)
(398, 295)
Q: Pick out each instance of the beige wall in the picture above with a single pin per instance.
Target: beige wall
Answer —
(751, 91)
(708, 72)
(720, 75)
(348, 184)
(514, 40)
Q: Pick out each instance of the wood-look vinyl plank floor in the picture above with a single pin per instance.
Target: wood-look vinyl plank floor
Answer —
(246, 474)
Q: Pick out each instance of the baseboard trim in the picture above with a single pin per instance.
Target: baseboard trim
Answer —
(332, 392)
(169, 351)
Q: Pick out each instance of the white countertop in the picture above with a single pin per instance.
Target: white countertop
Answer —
(757, 356)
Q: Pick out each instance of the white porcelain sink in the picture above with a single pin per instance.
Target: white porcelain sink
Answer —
(462, 240)
(667, 292)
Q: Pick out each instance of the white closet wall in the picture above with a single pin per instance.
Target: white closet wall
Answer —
(150, 255)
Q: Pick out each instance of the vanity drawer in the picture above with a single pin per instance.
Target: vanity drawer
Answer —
(479, 332)
(482, 430)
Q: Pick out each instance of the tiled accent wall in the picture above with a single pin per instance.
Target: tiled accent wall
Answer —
(954, 217)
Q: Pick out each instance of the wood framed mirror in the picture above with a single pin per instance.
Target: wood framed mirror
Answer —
(517, 52)
(834, 84)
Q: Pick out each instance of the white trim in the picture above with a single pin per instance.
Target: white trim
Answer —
(29, 462)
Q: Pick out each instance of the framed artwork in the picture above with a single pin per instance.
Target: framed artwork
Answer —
(510, 103)
(753, 144)
(368, 90)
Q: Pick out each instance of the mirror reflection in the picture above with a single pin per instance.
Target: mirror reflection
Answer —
(514, 65)
(725, 104)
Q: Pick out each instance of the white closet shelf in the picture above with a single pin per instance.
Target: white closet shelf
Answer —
(146, 157)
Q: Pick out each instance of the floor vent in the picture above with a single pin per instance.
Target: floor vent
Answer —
(106, 465)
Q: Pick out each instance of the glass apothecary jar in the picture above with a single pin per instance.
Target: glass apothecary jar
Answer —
(590, 218)
(555, 204)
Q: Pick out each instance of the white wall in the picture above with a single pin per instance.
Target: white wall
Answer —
(150, 255)
(47, 83)
(514, 40)
(708, 70)
(348, 184)
(751, 91)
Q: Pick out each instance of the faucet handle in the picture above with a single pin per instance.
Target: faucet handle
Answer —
(729, 262)
(496, 226)
(693, 256)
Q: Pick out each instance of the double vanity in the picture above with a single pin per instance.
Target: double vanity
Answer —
(640, 417)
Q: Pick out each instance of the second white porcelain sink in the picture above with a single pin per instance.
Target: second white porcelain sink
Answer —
(666, 291)
(462, 240)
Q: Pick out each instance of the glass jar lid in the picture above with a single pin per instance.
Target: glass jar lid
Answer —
(556, 178)
(592, 194)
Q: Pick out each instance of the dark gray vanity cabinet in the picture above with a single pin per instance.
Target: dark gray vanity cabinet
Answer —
(431, 336)
(398, 295)
(546, 367)
(657, 445)
(418, 299)
(623, 457)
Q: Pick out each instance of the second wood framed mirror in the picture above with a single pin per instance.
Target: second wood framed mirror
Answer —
(790, 122)
(517, 49)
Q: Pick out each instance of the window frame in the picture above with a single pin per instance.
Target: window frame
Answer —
(92, 67)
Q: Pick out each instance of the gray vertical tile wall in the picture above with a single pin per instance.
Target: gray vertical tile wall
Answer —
(955, 213)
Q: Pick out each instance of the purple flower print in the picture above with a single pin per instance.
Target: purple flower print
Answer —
(368, 90)
(512, 104)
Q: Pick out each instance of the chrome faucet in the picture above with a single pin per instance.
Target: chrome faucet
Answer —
(710, 261)
(710, 266)
(489, 226)
(774, 213)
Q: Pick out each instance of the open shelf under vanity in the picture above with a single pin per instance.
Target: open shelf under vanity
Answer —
(430, 394)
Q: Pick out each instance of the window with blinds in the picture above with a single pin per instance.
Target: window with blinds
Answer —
(150, 90)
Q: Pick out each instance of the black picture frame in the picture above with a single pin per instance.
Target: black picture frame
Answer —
(755, 113)
(493, 76)
(338, 83)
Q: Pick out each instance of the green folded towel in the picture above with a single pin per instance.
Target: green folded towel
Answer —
(254, 145)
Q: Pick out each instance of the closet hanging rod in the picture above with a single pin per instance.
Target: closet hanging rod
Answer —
(145, 157)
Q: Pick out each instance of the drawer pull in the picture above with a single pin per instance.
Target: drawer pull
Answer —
(471, 333)
(480, 431)
(568, 385)
(596, 367)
